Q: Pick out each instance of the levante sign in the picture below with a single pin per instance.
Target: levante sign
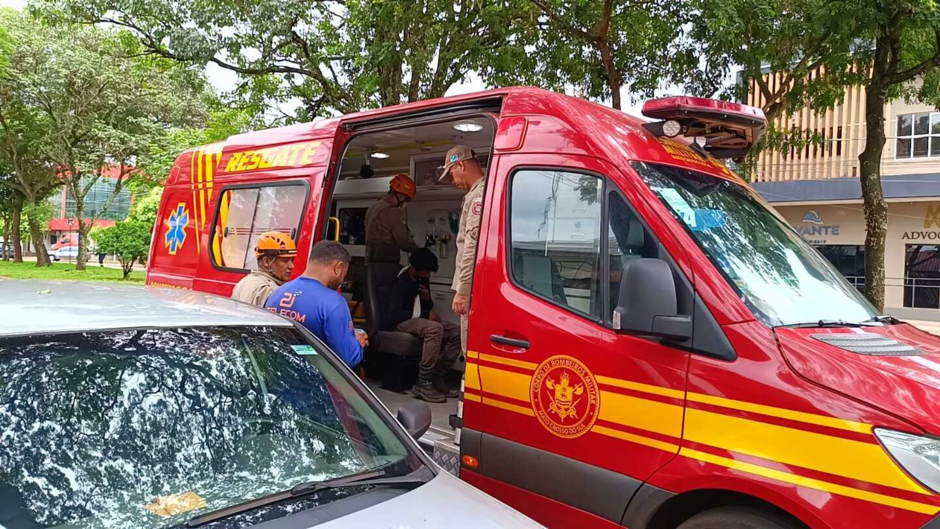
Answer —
(814, 230)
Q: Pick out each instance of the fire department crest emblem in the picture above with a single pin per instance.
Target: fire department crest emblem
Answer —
(564, 396)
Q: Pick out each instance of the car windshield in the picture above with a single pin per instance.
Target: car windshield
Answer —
(780, 277)
(150, 428)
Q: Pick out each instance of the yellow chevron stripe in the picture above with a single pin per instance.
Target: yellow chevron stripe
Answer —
(192, 183)
(508, 361)
(472, 398)
(505, 383)
(645, 388)
(507, 406)
(783, 413)
(824, 453)
(638, 439)
(641, 413)
(202, 190)
(472, 377)
(811, 483)
(473, 354)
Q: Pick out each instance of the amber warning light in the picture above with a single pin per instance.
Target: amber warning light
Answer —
(727, 129)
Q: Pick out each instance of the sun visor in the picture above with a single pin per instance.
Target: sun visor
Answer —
(728, 129)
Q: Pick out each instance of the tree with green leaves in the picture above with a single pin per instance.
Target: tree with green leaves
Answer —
(777, 46)
(903, 56)
(99, 106)
(128, 241)
(21, 137)
(11, 207)
(335, 56)
(601, 48)
(807, 52)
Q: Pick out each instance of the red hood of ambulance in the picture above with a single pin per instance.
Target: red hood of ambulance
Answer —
(905, 386)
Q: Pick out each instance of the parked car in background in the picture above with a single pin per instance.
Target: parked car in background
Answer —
(64, 253)
(153, 408)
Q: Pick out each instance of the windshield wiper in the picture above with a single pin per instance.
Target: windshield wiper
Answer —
(884, 318)
(367, 478)
(819, 324)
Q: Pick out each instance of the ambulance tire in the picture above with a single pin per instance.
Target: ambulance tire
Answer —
(738, 518)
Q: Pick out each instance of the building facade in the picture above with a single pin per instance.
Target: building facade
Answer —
(817, 190)
(63, 228)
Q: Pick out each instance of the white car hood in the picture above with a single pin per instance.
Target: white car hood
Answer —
(445, 501)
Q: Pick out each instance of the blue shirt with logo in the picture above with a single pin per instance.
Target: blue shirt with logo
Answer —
(323, 311)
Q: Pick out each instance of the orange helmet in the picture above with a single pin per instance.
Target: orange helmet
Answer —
(404, 185)
(275, 243)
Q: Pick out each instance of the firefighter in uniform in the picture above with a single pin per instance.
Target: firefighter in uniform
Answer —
(462, 167)
(387, 233)
(275, 253)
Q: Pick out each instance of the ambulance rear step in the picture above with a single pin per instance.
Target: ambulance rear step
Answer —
(439, 443)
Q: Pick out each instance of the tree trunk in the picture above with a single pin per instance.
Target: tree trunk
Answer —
(613, 78)
(16, 229)
(83, 229)
(35, 233)
(6, 239)
(876, 209)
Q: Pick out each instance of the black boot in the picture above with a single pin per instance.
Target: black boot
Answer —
(444, 389)
(424, 390)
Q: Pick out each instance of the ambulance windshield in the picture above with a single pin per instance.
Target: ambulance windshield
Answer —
(781, 278)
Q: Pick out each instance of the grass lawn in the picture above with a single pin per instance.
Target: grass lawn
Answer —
(92, 272)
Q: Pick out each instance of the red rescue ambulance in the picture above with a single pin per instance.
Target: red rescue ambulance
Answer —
(650, 345)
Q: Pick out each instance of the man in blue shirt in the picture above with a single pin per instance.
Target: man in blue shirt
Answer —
(313, 301)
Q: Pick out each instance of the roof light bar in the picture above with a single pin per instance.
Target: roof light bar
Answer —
(729, 129)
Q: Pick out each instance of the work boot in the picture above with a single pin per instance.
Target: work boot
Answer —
(424, 390)
(444, 389)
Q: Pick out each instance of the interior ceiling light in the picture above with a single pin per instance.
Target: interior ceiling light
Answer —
(379, 155)
(468, 126)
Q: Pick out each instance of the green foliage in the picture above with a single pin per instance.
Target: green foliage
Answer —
(146, 207)
(90, 101)
(332, 55)
(599, 47)
(41, 213)
(789, 39)
(65, 271)
(222, 122)
(129, 241)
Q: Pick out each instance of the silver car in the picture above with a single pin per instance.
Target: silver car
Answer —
(156, 408)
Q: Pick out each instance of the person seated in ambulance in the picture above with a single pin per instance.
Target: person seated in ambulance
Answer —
(387, 232)
(409, 311)
(275, 253)
(313, 301)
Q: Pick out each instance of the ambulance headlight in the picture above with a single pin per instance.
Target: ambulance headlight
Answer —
(918, 455)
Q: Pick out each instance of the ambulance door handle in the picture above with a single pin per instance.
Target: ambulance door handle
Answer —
(522, 344)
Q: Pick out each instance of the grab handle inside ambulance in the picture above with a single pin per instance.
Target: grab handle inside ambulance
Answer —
(647, 301)
(335, 233)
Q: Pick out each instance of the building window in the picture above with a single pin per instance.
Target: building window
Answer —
(245, 213)
(918, 135)
(96, 200)
(849, 260)
(922, 276)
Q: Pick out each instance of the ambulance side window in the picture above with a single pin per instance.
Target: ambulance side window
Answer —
(555, 237)
(628, 239)
(243, 213)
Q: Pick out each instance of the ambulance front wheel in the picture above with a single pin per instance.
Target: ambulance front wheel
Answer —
(739, 518)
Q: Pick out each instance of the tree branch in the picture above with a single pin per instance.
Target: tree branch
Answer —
(920, 69)
(578, 32)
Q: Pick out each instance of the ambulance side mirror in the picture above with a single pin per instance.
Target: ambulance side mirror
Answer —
(647, 301)
(415, 417)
